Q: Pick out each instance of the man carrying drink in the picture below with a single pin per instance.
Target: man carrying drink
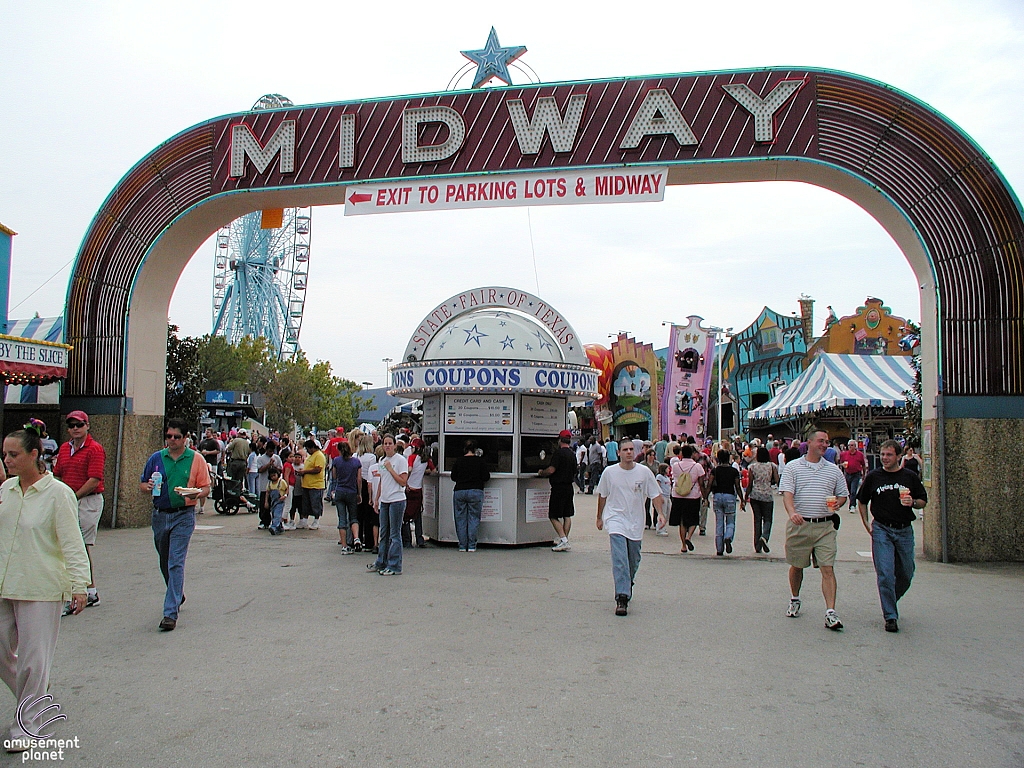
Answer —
(813, 489)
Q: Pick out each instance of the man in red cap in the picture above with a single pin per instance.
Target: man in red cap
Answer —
(560, 474)
(80, 465)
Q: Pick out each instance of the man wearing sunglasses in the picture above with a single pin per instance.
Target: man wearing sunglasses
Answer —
(80, 465)
(174, 516)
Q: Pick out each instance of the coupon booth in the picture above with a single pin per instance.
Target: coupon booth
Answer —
(498, 366)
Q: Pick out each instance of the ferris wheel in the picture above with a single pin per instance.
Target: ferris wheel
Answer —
(261, 269)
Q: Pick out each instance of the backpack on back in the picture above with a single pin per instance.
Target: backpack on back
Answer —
(683, 484)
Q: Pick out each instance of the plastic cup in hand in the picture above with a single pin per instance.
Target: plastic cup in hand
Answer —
(831, 502)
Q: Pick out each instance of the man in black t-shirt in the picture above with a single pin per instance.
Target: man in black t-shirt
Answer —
(560, 474)
(894, 494)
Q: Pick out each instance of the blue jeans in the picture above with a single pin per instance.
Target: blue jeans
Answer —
(469, 505)
(892, 550)
(725, 519)
(250, 482)
(276, 512)
(389, 550)
(625, 561)
(347, 505)
(853, 485)
(172, 532)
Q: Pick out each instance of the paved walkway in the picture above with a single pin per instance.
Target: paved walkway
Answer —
(288, 653)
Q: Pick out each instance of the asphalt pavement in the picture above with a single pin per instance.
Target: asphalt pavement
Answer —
(289, 653)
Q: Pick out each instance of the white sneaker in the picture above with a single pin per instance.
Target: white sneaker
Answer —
(314, 525)
(794, 608)
(561, 546)
(300, 525)
(661, 533)
(289, 526)
(832, 620)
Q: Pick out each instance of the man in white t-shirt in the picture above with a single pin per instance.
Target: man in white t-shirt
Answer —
(581, 466)
(620, 510)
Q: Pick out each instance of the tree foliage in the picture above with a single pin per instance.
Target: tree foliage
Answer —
(297, 393)
(183, 388)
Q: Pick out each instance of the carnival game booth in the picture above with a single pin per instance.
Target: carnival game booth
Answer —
(860, 396)
(499, 366)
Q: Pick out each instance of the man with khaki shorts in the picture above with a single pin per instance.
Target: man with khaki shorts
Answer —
(813, 489)
(79, 464)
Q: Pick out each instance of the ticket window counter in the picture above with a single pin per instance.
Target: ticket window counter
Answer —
(515, 499)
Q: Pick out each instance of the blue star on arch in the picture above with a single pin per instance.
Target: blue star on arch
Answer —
(506, 343)
(544, 343)
(473, 335)
(493, 60)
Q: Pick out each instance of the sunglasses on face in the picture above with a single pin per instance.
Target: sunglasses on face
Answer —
(169, 436)
(75, 424)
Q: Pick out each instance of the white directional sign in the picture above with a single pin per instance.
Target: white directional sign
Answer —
(607, 185)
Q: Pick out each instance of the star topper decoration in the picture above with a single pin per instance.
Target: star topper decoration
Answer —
(493, 60)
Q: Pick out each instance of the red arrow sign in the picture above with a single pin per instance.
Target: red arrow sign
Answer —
(360, 197)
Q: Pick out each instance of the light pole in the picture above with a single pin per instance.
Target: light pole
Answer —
(720, 333)
(387, 369)
(367, 384)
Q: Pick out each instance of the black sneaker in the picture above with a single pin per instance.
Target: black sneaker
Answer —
(728, 546)
(891, 625)
(357, 546)
(764, 545)
(621, 601)
(92, 599)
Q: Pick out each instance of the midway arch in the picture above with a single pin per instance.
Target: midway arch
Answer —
(923, 179)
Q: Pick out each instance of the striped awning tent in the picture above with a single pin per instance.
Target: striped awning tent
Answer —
(832, 381)
(40, 329)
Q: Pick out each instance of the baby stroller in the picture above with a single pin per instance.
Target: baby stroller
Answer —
(230, 494)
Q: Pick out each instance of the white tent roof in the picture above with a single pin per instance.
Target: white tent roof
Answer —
(842, 380)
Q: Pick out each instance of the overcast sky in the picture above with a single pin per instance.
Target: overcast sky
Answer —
(90, 88)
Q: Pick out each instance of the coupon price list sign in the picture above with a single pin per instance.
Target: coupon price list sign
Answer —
(431, 415)
(542, 415)
(478, 414)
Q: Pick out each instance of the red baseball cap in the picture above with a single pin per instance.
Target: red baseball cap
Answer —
(565, 433)
(77, 416)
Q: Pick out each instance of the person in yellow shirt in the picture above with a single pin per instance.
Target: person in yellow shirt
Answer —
(42, 564)
(313, 477)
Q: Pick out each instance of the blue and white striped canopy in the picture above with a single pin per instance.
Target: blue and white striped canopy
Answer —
(831, 381)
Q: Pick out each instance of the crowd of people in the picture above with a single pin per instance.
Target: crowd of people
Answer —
(365, 475)
(49, 512)
(814, 478)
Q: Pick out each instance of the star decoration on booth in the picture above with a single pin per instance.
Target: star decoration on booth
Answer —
(473, 335)
(544, 343)
(506, 343)
(493, 60)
